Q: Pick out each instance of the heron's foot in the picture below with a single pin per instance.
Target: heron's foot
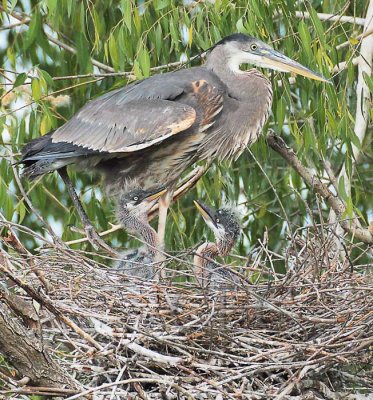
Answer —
(97, 242)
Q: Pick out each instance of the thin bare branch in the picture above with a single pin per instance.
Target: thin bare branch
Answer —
(332, 17)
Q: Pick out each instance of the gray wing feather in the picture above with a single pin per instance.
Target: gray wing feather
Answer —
(128, 119)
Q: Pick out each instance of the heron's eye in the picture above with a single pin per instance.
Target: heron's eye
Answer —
(135, 198)
(217, 220)
(253, 47)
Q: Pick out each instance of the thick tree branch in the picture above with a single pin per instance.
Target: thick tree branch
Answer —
(25, 352)
(277, 144)
(45, 301)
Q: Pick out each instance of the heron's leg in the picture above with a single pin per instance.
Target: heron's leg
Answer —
(93, 237)
(163, 205)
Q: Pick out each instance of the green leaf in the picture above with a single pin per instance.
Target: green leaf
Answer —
(342, 188)
(144, 60)
(305, 37)
(239, 26)
(137, 70)
(355, 140)
(47, 78)
(36, 89)
(70, 6)
(262, 211)
(369, 81)
(280, 114)
(158, 43)
(174, 31)
(21, 209)
(113, 50)
(20, 80)
(34, 30)
(51, 5)
(127, 13)
(318, 26)
(137, 20)
(82, 54)
(160, 4)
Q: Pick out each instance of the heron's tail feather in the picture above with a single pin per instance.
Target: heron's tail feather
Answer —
(41, 167)
(41, 156)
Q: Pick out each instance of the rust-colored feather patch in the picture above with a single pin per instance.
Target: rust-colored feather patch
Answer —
(210, 102)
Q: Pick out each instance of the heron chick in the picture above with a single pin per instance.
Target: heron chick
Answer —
(132, 212)
(226, 230)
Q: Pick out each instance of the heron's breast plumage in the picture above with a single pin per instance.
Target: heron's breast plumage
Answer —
(246, 107)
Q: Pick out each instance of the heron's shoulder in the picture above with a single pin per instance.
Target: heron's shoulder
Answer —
(164, 86)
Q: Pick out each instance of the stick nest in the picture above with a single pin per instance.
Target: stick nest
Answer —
(303, 334)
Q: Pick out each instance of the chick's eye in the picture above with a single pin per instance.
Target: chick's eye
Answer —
(253, 47)
(217, 220)
(135, 198)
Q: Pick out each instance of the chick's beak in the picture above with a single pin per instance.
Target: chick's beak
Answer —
(156, 194)
(206, 212)
(282, 63)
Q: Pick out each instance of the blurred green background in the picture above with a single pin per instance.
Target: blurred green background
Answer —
(317, 120)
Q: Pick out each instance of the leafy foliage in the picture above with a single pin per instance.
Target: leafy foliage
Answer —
(136, 36)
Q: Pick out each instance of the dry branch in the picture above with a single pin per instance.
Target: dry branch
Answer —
(315, 183)
(332, 17)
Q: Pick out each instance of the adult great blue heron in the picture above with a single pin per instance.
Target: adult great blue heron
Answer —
(226, 230)
(152, 130)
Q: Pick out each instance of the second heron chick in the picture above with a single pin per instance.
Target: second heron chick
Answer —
(226, 229)
(132, 211)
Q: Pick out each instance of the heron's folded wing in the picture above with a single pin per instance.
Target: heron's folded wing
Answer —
(116, 127)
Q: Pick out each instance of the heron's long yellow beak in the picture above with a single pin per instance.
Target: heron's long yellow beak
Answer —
(280, 62)
(156, 195)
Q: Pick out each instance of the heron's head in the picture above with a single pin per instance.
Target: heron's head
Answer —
(139, 201)
(244, 49)
(223, 222)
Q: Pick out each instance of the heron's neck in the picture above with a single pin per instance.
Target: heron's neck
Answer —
(247, 103)
(139, 225)
(241, 85)
(204, 254)
(224, 246)
(222, 64)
